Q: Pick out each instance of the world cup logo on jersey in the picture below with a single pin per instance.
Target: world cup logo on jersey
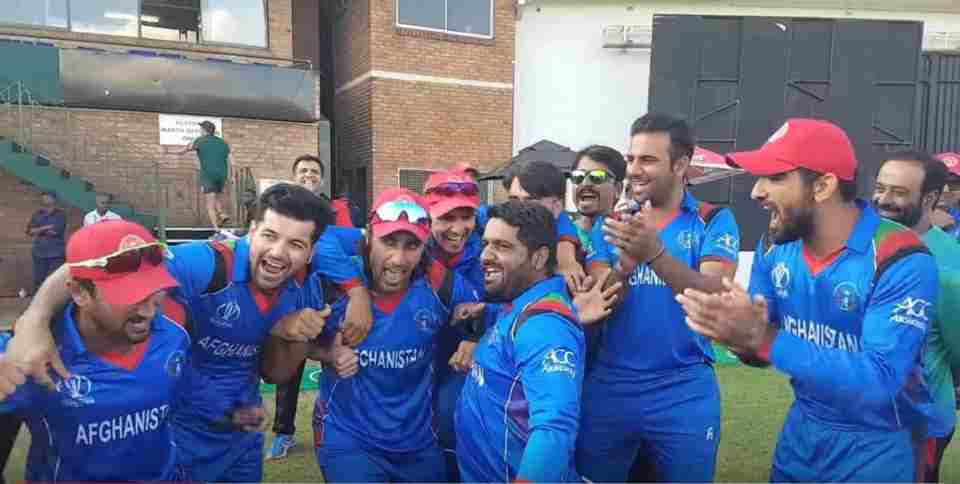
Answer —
(77, 389)
(426, 320)
(174, 364)
(781, 279)
(226, 314)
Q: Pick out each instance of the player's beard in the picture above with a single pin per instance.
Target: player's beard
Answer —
(797, 224)
(907, 215)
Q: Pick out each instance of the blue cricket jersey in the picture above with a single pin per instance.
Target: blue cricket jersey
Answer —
(518, 415)
(335, 246)
(104, 423)
(647, 331)
(223, 370)
(851, 336)
(388, 405)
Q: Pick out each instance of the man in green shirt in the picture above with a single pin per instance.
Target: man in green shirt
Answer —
(907, 190)
(214, 168)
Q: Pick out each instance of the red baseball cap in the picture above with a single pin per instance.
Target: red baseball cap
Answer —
(101, 242)
(952, 160)
(466, 167)
(816, 145)
(440, 204)
(398, 209)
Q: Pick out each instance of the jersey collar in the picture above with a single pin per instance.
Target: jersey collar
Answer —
(536, 291)
(861, 239)
(689, 203)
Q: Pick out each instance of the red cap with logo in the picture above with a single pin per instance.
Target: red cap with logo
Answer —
(449, 190)
(400, 210)
(952, 160)
(816, 145)
(122, 259)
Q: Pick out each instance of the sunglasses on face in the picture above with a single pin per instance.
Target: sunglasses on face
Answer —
(595, 177)
(393, 211)
(126, 260)
(455, 188)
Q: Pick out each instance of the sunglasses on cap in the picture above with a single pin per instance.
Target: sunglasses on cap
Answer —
(595, 177)
(392, 211)
(455, 188)
(126, 260)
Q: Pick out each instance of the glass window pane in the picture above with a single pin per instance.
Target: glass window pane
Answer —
(46, 13)
(234, 22)
(469, 16)
(176, 20)
(111, 17)
(421, 13)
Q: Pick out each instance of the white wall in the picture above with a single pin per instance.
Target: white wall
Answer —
(571, 90)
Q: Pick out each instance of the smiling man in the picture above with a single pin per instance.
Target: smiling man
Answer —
(235, 294)
(597, 174)
(907, 190)
(840, 300)
(518, 416)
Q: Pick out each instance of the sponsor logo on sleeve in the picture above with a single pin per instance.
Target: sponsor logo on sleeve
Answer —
(560, 360)
(913, 311)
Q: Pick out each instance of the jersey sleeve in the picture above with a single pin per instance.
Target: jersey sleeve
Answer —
(566, 230)
(24, 396)
(550, 360)
(332, 261)
(721, 238)
(760, 283)
(192, 265)
(599, 251)
(896, 320)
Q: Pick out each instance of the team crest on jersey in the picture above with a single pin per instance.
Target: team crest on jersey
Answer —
(686, 239)
(76, 389)
(560, 360)
(226, 314)
(781, 279)
(174, 364)
(426, 320)
(729, 243)
(846, 297)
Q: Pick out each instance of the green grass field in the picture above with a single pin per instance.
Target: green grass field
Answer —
(754, 403)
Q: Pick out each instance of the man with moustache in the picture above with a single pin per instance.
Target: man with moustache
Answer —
(652, 396)
(907, 190)
(840, 300)
(235, 294)
(109, 420)
(329, 255)
(518, 415)
(597, 174)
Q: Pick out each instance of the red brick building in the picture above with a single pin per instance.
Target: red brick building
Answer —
(420, 89)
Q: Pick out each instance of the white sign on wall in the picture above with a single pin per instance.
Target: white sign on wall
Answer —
(180, 130)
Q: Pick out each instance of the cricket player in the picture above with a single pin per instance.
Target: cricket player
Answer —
(374, 415)
(907, 190)
(652, 394)
(235, 294)
(518, 416)
(841, 301)
(109, 420)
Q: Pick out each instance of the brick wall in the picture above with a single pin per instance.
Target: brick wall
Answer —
(394, 124)
(280, 39)
(435, 126)
(428, 53)
(119, 152)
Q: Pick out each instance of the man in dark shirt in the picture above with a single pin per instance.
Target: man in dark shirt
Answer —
(213, 153)
(47, 227)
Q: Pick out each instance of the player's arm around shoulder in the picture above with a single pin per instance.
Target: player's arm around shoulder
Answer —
(549, 351)
(15, 388)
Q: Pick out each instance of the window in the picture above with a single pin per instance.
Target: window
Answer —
(461, 17)
(44, 13)
(235, 22)
(238, 22)
(111, 17)
(176, 20)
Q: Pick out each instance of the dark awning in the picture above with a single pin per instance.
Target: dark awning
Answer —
(544, 150)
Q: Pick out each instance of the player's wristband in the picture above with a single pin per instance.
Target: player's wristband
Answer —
(663, 248)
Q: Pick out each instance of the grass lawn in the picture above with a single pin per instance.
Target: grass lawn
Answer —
(754, 403)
